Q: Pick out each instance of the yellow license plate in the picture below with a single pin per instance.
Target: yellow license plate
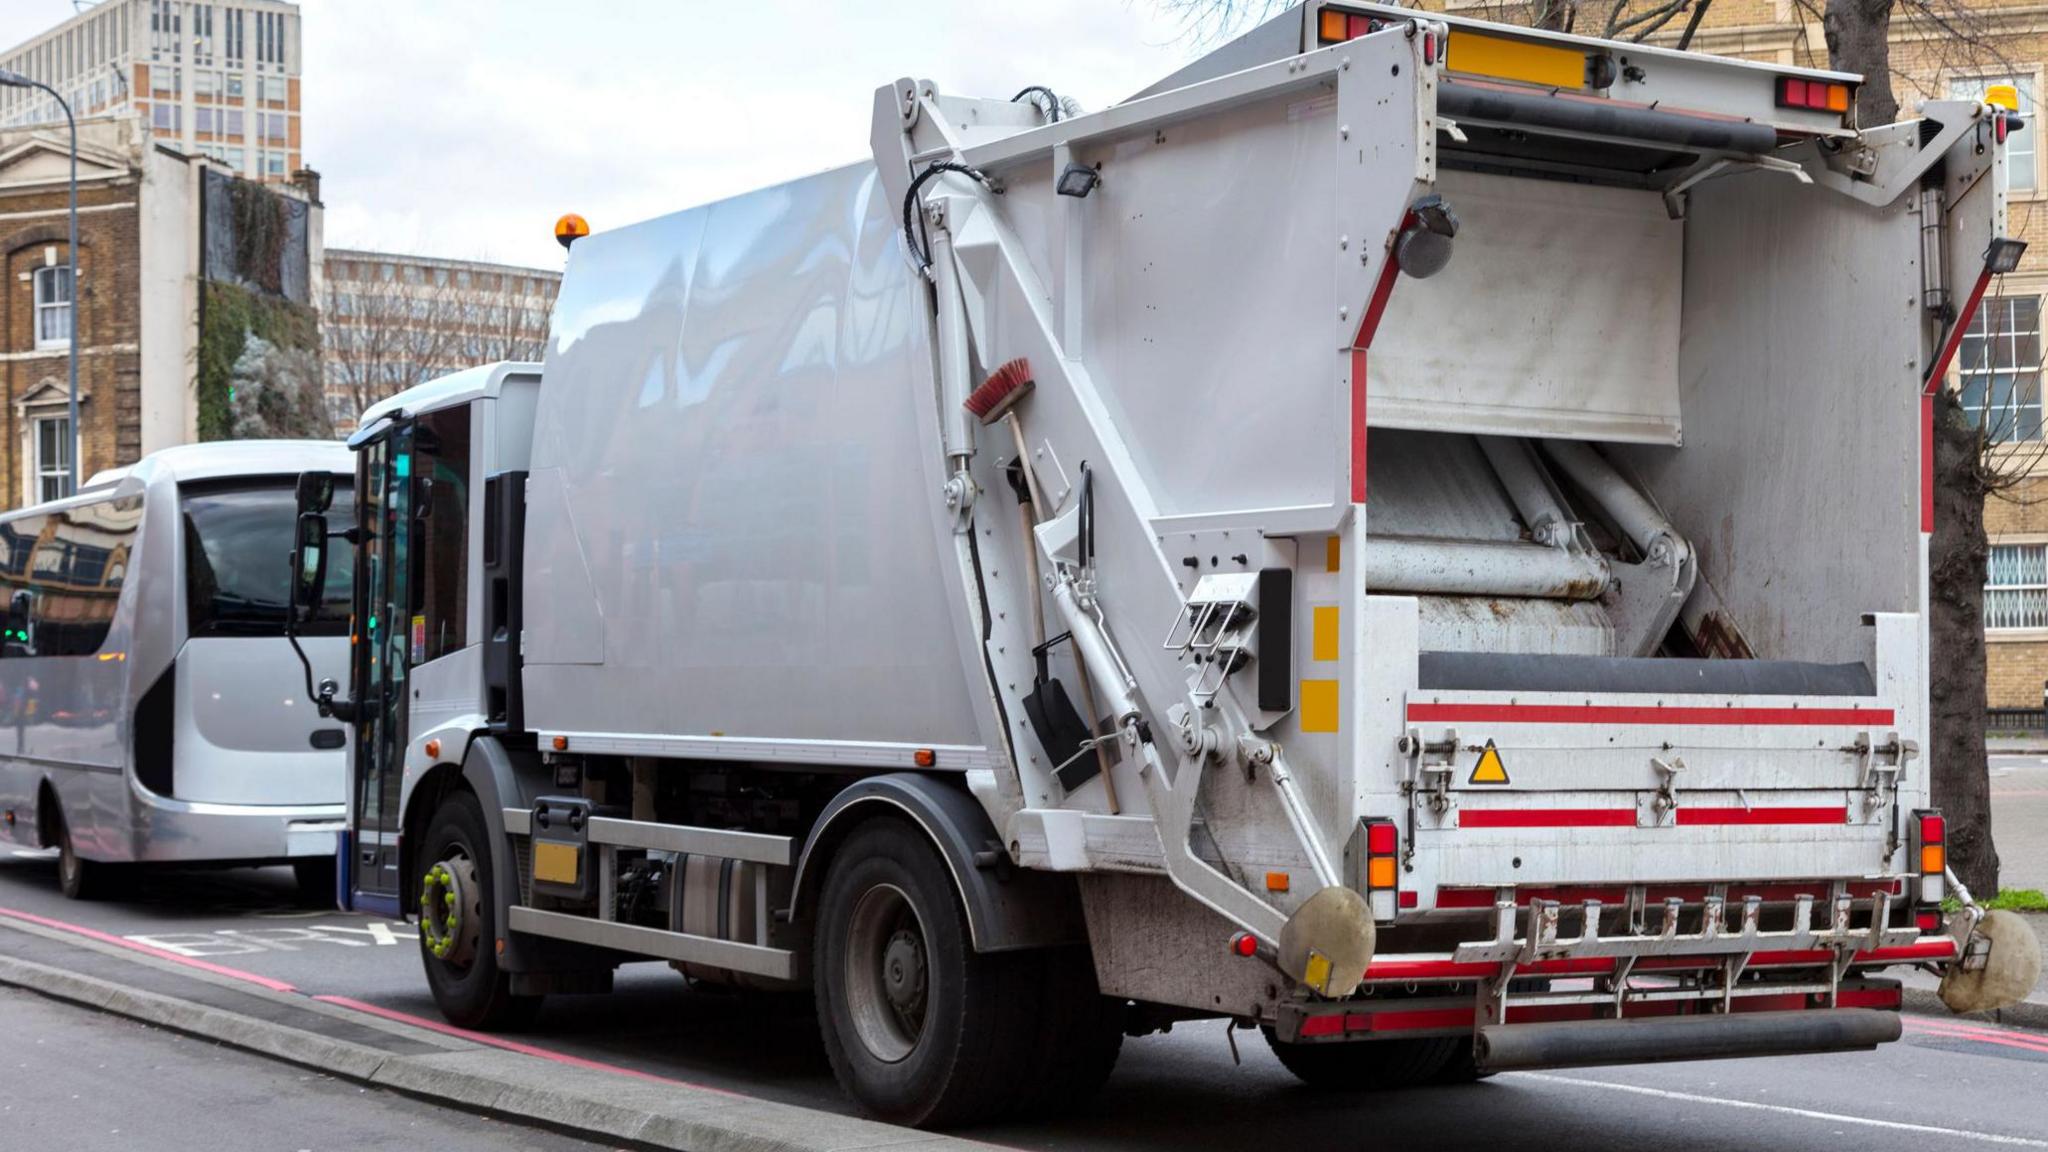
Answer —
(1493, 56)
(556, 863)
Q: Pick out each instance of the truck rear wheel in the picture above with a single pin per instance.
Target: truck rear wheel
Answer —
(1365, 1065)
(458, 921)
(920, 1028)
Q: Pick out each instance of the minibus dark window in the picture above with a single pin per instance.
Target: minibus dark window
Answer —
(238, 545)
(60, 577)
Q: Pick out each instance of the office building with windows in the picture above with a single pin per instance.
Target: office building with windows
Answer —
(213, 79)
(391, 321)
(150, 258)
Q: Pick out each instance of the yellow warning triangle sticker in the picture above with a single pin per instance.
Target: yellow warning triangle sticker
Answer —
(1489, 770)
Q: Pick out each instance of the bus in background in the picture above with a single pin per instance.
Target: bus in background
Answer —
(150, 708)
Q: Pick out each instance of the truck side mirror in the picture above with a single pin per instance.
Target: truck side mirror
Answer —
(315, 492)
(309, 565)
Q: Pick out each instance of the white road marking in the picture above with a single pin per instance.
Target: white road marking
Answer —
(1829, 1117)
(242, 941)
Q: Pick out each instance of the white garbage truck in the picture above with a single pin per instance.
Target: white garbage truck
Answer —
(1409, 535)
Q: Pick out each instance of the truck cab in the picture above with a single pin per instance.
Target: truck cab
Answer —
(428, 666)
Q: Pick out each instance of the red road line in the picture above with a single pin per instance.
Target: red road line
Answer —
(1634, 714)
(513, 1045)
(2002, 1040)
(358, 1005)
(159, 953)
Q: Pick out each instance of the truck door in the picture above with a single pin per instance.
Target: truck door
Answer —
(383, 607)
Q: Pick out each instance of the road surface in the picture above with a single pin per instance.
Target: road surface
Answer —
(81, 1081)
(1945, 1086)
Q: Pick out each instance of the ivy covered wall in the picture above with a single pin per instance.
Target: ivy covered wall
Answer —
(254, 282)
(228, 315)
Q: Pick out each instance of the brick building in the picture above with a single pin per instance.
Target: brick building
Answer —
(143, 268)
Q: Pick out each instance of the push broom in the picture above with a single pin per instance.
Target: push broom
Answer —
(995, 400)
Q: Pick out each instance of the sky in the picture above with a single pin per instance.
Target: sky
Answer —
(463, 128)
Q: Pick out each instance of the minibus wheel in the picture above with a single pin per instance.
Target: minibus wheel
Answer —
(77, 877)
(458, 921)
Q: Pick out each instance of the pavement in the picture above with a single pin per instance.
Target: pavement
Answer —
(87, 1081)
(2019, 818)
(659, 1064)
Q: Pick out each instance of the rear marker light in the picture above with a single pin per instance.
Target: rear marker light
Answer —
(1819, 95)
(1382, 868)
(1929, 922)
(1930, 860)
(1429, 48)
(1278, 882)
(1244, 944)
(1334, 27)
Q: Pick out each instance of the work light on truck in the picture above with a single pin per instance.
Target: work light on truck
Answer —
(2003, 255)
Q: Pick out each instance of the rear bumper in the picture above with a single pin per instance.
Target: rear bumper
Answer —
(178, 831)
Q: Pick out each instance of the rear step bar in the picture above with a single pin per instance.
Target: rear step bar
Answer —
(1585, 1043)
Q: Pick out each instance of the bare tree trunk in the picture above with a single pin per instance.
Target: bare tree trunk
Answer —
(1955, 592)
(1859, 40)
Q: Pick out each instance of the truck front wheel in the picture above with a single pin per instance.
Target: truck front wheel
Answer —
(920, 1028)
(458, 921)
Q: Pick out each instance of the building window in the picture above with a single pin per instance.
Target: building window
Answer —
(167, 117)
(2016, 587)
(2000, 360)
(234, 85)
(53, 457)
(53, 306)
(2021, 150)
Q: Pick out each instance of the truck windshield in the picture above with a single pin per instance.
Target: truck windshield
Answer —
(238, 541)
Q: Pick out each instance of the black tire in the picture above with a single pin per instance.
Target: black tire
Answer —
(1367, 1065)
(471, 991)
(1081, 1034)
(920, 1029)
(1461, 1068)
(315, 876)
(77, 877)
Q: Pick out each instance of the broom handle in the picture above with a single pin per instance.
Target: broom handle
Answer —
(1038, 609)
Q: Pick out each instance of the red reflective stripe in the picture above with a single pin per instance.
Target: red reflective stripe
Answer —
(1451, 970)
(1836, 815)
(1939, 369)
(1322, 1026)
(1547, 818)
(1369, 323)
(1358, 425)
(1409, 1021)
(1927, 462)
(1634, 714)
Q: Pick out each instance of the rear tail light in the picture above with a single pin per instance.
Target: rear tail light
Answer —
(1819, 95)
(1930, 857)
(1382, 868)
(1334, 27)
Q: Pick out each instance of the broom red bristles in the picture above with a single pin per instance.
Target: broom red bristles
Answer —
(1004, 387)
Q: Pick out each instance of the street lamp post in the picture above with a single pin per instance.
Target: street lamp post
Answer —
(11, 79)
